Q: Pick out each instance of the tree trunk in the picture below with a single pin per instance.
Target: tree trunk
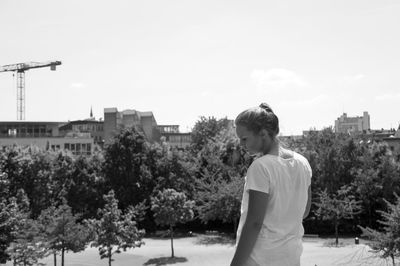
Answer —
(172, 240)
(391, 255)
(369, 217)
(55, 258)
(235, 224)
(62, 256)
(109, 256)
(336, 233)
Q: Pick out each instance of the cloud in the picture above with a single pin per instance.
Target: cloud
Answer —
(352, 79)
(358, 77)
(306, 102)
(388, 96)
(77, 85)
(277, 79)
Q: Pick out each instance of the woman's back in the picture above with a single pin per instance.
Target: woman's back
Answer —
(286, 180)
(289, 181)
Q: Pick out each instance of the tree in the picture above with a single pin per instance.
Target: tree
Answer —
(220, 200)
(61, 231)
(13, 214)
(221, 163)
(4, 186)
(207, 129)
(387, 241)
(173, 169)
(26, 247)
(84, 191)
(368, 188)
(171, 207)
(125, 168)
(115, 231)
(336, 207)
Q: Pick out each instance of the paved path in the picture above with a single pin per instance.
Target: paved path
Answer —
(215, 251)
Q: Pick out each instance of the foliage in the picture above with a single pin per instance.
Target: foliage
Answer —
(47, 176)
(220, 200)
(206, 129)
(60, 230)
(209, 172)
(25, 246)
(126, 170)
(387, 241)
(84, 190)
(221, 163)
(13, 214)
(114, 231)
(171, 207)
(337, 207)
(173, 169)
(4, 185)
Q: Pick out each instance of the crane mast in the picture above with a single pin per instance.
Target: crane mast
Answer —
(20, 69)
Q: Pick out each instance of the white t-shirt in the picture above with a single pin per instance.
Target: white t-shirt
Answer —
(286, 181)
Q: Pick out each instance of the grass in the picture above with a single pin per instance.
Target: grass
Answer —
(217, 250)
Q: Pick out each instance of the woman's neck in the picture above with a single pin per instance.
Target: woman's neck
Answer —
(273, 149)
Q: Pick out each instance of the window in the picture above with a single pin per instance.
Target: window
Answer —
(72, 147)
(66, 146)
(12, 132)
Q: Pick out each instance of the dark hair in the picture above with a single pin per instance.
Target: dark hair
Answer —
(257, 118)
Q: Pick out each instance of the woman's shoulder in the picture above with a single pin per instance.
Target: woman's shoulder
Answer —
(304, 162)
(300, 157)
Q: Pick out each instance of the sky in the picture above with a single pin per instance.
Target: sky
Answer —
(310, 61)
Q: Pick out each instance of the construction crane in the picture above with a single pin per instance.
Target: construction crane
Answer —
(20, 70)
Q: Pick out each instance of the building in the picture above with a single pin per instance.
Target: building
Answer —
(91, 126)
(378, 134)
(145, 122)
(174, 137)
(357, 124)
(394, 141)
(24, 129)
(44, 135)
(80, 136)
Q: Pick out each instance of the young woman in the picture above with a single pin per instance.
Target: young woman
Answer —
(276, 196)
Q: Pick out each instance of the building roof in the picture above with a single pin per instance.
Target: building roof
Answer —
(110, 110)
(129, 112)
(80, 122)
(31, 123)
(168, 125)
(148, 113)
(68, 126)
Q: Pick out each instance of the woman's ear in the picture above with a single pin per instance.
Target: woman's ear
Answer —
(264, 133)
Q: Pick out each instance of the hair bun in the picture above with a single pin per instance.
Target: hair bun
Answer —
(266, 107)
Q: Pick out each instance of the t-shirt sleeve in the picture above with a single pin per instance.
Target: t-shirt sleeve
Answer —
(258, 178)
(308, 171)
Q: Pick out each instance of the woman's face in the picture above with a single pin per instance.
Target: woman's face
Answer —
(251, 141)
